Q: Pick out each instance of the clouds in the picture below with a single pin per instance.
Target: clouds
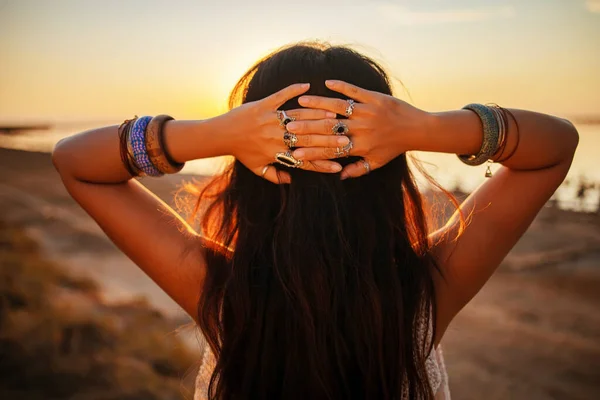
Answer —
(403, 15)
(593, 6)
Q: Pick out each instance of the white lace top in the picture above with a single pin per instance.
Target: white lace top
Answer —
(436, 371)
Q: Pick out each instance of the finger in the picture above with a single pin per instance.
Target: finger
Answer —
(274, 175)
(321, 141)
(316, 153)
(285, 94)
(354, 170)
(354, 92)
(332, 104)
(324, 166)
(310, 113)
(321, 126)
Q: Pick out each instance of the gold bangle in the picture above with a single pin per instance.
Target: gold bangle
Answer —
(155, 147)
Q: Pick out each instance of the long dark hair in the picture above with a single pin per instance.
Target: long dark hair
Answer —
(315, 290)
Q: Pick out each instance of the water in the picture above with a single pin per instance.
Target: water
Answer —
(444, 167)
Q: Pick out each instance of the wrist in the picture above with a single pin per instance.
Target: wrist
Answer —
(195, 139)
(230, 136)
(421, 133)
(457, 132)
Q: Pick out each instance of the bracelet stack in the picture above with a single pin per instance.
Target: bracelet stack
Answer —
(142, 147)
(495, 129)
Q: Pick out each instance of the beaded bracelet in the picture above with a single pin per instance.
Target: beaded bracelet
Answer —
(137, 139)
(489, 146)
(155, 147)
(132, 165)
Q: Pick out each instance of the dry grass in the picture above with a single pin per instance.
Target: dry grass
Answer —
(58, 339)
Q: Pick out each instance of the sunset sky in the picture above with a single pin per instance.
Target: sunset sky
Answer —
(111, 59)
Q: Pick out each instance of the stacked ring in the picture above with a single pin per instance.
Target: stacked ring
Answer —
(290, 139)
(350, 108)
(283, 118)
(288, 160)
(340, 129)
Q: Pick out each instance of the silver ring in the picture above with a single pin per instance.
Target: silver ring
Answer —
(290, 139)
(283, 118)
(344, 151)
(366, 165)
(339, 129)
(288, 160)
(350, 108)
(264, 171)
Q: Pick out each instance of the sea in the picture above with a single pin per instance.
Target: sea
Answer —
(580, 191)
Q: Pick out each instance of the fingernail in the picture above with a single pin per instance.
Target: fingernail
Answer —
(329, 83)
(343, 140)
(305, 85)
(298, 154)
(330, 114)
(336, 167)
(291, 126)
(304, 100)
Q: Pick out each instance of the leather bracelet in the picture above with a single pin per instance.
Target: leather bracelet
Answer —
(125, 147)
(155, 146)
(517, 132)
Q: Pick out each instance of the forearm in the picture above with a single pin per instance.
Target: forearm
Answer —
(94, 155)
(543, 140)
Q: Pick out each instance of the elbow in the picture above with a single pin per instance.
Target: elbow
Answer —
(570, 138)
(60, 156)
(568, 142)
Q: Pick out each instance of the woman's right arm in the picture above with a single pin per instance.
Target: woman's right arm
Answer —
(145, 228)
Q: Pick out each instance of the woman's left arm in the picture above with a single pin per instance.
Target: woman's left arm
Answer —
(499, 211)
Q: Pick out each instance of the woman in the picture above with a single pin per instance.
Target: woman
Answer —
(314, 283)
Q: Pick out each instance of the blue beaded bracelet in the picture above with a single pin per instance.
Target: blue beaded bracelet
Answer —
(491, 134)
(137, 138)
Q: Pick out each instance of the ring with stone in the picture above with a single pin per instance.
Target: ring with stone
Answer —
(340, 129)
(290, 139)
(350, 108)
(288, 160)
(283, 118)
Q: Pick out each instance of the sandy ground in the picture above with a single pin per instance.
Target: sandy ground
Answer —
(533, 332)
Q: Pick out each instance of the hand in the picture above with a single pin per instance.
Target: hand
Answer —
(381, 127)
(257, 134)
